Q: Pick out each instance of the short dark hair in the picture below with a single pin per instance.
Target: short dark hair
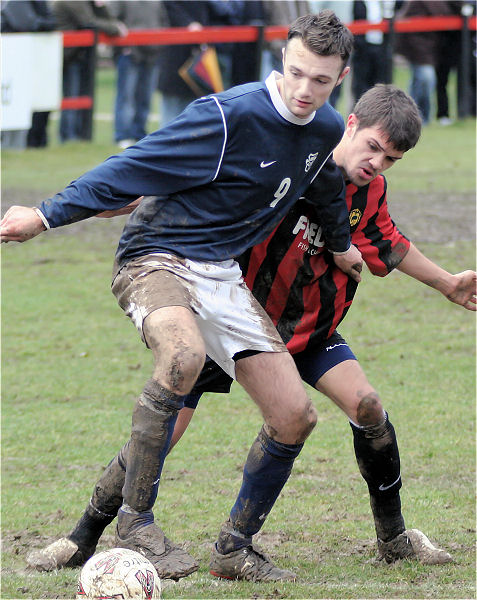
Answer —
(323, 34)
(393, 111)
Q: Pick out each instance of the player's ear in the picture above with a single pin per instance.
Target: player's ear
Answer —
(344, 72)
(352, 124)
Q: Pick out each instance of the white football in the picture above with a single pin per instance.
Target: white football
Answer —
(118, 573)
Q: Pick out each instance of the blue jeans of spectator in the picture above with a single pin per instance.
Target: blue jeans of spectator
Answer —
(172, 105)
(423, 84)
(70, 120)
(136, 82)
(270, 63)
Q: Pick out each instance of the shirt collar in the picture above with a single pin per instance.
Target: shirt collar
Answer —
(271, 83)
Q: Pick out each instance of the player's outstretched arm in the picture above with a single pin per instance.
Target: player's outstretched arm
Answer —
(460, 288)
(351, 262)
(20, 223)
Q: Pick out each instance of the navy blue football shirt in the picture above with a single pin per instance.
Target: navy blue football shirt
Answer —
(216, 180)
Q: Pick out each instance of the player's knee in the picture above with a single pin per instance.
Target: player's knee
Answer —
(310, 421)
(305, 422)
(183, 369)
(369, 411)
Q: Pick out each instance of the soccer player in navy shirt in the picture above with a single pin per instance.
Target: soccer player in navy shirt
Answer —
(211, 191)
(306, 296)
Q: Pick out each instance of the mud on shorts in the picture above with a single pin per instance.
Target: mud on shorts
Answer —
(228, 316)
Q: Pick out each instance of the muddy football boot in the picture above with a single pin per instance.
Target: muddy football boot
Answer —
(62, 553)
(171, 561)
(249, 564)
(412, 543)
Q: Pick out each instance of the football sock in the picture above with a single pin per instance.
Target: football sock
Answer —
(90, 527)
(388, 519)
(268, 466)
(104, 504)
(377, 454)
(153, 420)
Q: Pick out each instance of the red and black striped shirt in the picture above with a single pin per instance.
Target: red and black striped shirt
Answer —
(295, 279)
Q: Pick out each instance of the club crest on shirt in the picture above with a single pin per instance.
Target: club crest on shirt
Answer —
(310, 160)
(355, 217)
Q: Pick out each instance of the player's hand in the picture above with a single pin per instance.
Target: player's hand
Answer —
(465, 290)
(20, 224)
(351, 262)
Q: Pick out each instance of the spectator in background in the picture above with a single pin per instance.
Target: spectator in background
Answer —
(368, 60)
(281, 13)
(244, 55)
(137, 70)
(448, 57)
(80, 14)
(176, 94)
(19, 16)
(420, 50)
(344, 11)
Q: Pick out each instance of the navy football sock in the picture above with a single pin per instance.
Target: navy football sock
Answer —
(269, 464)
(153, 421)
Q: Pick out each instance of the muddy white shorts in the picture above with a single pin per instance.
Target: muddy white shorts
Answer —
(230, 319)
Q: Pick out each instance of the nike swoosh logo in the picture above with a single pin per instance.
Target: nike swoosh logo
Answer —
(383, 488)
(263, 164)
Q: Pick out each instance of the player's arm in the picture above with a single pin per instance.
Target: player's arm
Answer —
(328, 195)
(155, 165)
(385, 248)
(460, 288)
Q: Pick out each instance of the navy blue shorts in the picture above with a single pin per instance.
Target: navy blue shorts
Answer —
(311, 364)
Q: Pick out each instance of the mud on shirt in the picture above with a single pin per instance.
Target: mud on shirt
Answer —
(216, 180)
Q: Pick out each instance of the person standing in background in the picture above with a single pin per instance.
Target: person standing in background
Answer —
(368, 60)
(137, 70)
(244, 55)
(447, 60)
(420, 50)
(73, 15)
(344, 11)
(281, 13)
(176, 94)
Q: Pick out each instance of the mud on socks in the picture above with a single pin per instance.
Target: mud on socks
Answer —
(153, 421)
(268, 466)
(377, 454)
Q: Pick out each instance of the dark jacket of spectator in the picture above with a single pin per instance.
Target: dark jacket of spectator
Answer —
(419, 47)
(85, 14)
(27, 15)
(180, 13)
(141, 14)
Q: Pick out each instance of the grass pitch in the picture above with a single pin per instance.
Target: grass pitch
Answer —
(72, 365)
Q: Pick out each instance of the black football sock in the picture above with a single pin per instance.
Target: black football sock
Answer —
(104, 504)
(377, 454)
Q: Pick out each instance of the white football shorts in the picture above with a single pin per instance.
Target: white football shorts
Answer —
(229, 317)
